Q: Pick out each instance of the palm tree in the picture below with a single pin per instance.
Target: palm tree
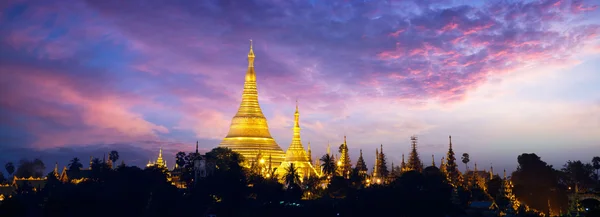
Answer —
(291, 175)
(113, 156)
(10, 168)
(596, 165)
(75, 164)
(328, 165)
(465, 160)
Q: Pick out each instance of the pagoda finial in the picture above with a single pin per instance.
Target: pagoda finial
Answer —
(432, 160)
(196, 146)
(403, 158)
(381, 148)
(504, 174)
(251, 56)
(450, 138)
(328, 148)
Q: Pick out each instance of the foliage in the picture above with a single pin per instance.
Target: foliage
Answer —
(532, 181)
(328, 165)
(10, 168)
(579, 173)
(29, 168)
(493, 186)
(75, 164)
(113, 156)
(465, 159)
(291, 175)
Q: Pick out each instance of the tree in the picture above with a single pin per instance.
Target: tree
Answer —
(291, 175)
(532, 181)
(493, 186)
(328, 165)
(596, 164)
(180, 159)
(75, 164)
(28, 168)
(465, 160)
(2, 178)
(10, 168)
(113, 156)
(579, 174)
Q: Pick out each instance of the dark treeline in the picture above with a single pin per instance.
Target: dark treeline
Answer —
(233, 190)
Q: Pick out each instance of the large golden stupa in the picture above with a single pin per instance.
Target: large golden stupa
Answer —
(296, 154)
(249, 133)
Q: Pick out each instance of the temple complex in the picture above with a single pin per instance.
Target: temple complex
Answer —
(249, 132)
(296, 154)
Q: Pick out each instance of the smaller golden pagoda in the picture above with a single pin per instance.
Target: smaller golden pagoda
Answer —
(159, 161)
(296, 154)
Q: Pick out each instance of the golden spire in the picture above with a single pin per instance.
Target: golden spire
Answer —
(295, 154)
(309, 152)
(251, 56)
(91, 162)
(432, 160)
(328, 148)
(450, 138)
(249, 130)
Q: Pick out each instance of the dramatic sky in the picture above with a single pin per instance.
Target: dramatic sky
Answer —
(80, 78)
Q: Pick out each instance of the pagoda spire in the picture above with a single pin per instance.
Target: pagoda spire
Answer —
(196, 146)
(376, 165)
(91, 162)
(450, 140)
(309, 152)
(249, 130)
(432, 160)
(491, 171)
(295, 154)
(328, 148)
(403, 164)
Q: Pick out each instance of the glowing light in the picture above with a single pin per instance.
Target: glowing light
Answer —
(262, 161)
(339, 163)
(378, 181)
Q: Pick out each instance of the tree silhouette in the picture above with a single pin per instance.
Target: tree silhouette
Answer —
(328, 165)
(180, 159)
(579, 173)
(28, 168)
(596, 165)
(291, 175)
(532, 181)
(75, 164)
(2, 178)
(465, 159)
(10, 168)
(113, 156)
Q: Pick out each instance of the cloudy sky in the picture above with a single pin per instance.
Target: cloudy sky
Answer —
(80, 78)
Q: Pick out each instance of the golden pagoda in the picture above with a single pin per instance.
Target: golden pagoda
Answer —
(159, 161)
(296, 154)
(249, 132)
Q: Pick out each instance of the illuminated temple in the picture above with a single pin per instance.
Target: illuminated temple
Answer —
(296, 154)
(159, 161)
(249, 133)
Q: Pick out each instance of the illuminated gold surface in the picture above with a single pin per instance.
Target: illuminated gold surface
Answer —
(159, 161)
(296, 154)
(249, 132)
